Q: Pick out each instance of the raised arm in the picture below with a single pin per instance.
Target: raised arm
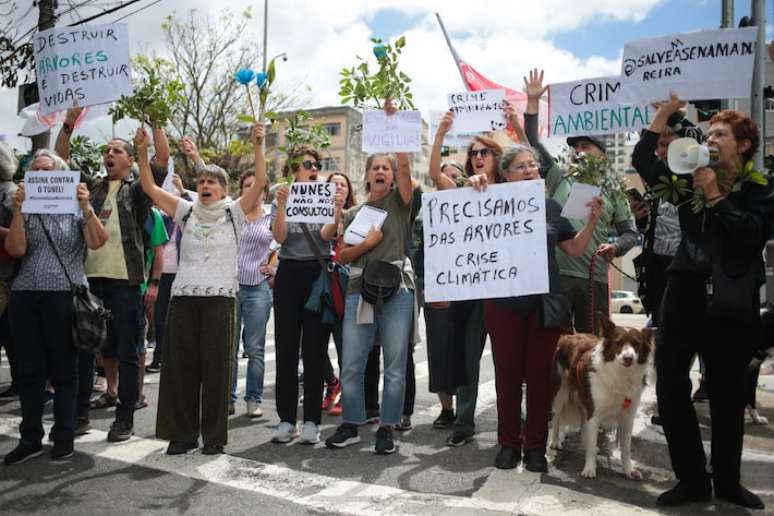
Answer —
(403, 174)
(16, 241)
(251, 196)
(161, 145)
(513, 118)
(62, 145)
(439, 179)
(93, 231)
(330, 231)
(160, 197)
(190, 150)
(279, 228)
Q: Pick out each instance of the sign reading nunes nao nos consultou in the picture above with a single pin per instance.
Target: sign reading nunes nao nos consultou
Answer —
(311, 202)
(595, 106)
(88, 64)
(697, 65)
(484, 245)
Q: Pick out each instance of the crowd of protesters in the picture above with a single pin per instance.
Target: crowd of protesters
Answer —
(206, 272)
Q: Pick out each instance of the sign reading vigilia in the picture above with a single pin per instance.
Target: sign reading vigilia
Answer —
(88, 64)
(484, 245)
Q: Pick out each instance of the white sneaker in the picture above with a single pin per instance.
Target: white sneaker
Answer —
(310, 433)
(285, 433)
(253, 409)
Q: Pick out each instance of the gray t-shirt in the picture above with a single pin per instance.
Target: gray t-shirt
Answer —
(40, 269)
(295, 246)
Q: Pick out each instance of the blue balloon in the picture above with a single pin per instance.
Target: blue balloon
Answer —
(244, 76)
(260, 79)
(380, 51)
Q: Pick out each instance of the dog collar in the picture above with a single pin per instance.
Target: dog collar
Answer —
(627, 403)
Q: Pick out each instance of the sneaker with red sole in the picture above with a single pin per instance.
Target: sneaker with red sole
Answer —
(336, 409)
(332, 393)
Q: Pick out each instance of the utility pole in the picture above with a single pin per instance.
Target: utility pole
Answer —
(727, 22)
(757, 11)
(46, 20)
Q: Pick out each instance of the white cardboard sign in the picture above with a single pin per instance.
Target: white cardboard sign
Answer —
(601, 105)
(477, 111)
(451, 139)
(88, 64)
(484, 245)
(51, 192)
(698, 65)
(400, 132)
(311, 202)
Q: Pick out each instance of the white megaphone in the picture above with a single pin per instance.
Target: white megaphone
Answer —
(685, 155)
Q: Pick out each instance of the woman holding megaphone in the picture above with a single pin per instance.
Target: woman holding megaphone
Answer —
(711, 302)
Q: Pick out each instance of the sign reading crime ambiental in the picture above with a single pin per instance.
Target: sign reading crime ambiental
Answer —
(52, 192)
(399, 132)
(87, 64)
(595, 106)
(708, 64)
(477, 111)
(310, 202)
(484, 245)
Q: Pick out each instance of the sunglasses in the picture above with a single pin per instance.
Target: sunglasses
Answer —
(483, 152)
(309, 165)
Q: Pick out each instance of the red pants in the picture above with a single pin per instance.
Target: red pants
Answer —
(522, 349)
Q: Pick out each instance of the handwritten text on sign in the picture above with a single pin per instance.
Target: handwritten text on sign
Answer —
(50, 192)
(88, 64)
(483, 245)
(595, 106)
(400, 132)
(477, 111)
(310, 203)
(697, 65)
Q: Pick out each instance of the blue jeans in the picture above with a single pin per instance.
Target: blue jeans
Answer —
(393, 321)
(253, 308)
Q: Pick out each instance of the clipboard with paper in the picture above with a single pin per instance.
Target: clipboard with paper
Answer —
(366, 218)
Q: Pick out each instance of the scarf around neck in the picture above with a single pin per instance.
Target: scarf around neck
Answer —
(212, 213)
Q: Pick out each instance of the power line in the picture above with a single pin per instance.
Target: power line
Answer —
(136, 11)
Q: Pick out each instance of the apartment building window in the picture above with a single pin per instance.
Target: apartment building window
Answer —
(271, 139)
(330, 164)
(333, 129)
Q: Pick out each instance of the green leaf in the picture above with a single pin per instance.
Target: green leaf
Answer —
(248, 119)
(271, 72)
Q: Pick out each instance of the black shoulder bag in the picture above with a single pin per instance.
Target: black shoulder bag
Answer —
(90, 317)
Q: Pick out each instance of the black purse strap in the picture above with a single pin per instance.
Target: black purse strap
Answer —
(53, 247)
(315, 249)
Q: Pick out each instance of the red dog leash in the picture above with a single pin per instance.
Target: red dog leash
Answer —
(592, 319)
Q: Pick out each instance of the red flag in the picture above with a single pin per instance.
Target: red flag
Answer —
(474, 81)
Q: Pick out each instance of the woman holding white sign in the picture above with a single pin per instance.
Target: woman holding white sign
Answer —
(523, 337)
(196, 361)
(52, 249)
(379, 259)
(455, 331)
(299, 267)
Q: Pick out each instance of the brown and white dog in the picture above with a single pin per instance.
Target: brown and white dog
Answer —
(599, 382)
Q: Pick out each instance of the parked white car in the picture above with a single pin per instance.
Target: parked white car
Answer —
(625, 302)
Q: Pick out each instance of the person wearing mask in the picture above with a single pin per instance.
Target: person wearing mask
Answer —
(617, 215)
(52, 250)
(711, 300)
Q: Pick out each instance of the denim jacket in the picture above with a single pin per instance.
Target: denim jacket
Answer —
(133, 209)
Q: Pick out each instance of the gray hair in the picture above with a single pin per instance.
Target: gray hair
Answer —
(214, 171)
(59, 163)
(510, 153)
(8, 162)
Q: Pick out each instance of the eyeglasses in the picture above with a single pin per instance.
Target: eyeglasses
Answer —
(523, 168)
(483, 152)
(309, 165)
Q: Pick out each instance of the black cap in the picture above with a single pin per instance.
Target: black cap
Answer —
(572, 141)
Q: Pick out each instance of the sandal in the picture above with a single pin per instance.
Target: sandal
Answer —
(105, 400)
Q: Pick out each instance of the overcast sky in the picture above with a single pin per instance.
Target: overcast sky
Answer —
(502, 39)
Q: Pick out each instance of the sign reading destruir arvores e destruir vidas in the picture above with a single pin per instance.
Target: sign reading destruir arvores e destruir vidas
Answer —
(310, 202)
(88, 64)
(484, 245)
(595, 106)
(477, 111)
(709, 64)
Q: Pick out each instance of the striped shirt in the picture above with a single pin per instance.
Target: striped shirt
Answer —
(254, 248)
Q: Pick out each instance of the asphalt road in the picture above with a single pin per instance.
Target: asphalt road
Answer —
(423, 477)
